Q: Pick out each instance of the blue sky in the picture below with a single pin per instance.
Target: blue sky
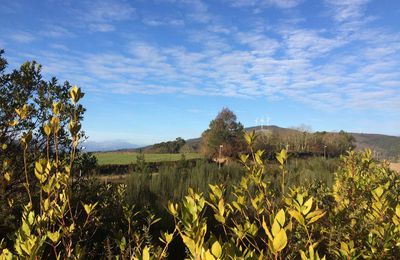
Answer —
(154, 70)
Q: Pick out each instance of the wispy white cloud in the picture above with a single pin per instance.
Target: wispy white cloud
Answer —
(59, 46)
(163, 22)
(302, 43)
(258, 42)
(198, 11)
(101, 27)
(348, 10)
(103, 11)
(22, 37)
(264, 3)
(101, 16)
(56, 31)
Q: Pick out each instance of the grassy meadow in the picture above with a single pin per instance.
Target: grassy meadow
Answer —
(130, 157)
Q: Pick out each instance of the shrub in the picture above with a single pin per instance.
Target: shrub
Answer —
(361, 219)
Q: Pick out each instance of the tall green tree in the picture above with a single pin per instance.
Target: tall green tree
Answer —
(224, 134)
(26, 105)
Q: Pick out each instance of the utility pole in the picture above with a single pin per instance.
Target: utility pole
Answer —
(220, 154)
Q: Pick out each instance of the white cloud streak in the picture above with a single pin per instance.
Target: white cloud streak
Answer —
(22, 37)
(264, 3)
(101, 16)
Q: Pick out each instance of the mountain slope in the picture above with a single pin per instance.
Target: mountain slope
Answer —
(384, 146)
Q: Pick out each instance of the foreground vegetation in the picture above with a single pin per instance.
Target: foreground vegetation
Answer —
(258, 212)
(259, 217)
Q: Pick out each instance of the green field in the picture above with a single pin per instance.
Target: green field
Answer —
(130, 157)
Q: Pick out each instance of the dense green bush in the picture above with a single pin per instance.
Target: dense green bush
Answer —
(313, 169)
(117, 169)
(172, 181)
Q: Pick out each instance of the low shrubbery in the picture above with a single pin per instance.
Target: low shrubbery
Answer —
(171, 182)
(117, 169)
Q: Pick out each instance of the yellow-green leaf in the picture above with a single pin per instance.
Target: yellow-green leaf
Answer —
(344, 247)
(295, 214)
(280, 241)
(189, 243)
(47, 129)
(282, 156)
(216, 249)
(249, 137)
(221, 207)
(7, 176)
(6, 254)
(146, 254)
(75, 94)
(54, 236)
(275, 228)
(89, 207)
(315, 218)
(46, 204)
(280, 217)
(25, 228)
(307, 206)
(303, 255)
(244, 157)
(208, 255)
(264, 225)
(172, 208)
(56, 108)
(299, 199)
(168, 237)
(216, 190)
(219, 218)
(31, 218)
(378, 191)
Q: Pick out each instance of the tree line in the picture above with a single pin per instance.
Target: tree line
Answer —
(224, 138)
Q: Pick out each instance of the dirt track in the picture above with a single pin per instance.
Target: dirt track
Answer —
(395, 166)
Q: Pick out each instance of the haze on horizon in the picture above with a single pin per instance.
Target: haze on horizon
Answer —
(158, 69)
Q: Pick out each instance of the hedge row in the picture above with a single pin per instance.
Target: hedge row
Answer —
(117, 169)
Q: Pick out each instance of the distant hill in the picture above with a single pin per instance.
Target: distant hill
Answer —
(112, 145)
(384, 146)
